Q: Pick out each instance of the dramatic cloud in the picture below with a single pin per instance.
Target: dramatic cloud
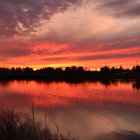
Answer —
(87, 24)
(67, 32)
(24, 16)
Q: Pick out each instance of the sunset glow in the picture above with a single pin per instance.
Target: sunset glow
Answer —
(60, 33)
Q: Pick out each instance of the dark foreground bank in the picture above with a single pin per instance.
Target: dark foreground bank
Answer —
(16, 127)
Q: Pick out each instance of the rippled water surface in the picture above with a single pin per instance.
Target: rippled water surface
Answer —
(89, 110)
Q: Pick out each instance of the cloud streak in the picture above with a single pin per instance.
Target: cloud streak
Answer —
(92, 57)
(121, 8)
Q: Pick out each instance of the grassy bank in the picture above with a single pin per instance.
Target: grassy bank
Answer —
(16, 127)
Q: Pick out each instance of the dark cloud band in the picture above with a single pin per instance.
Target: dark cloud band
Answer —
(23, 16)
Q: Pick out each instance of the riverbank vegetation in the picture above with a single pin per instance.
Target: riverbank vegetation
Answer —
(14, 126)
(69, 73)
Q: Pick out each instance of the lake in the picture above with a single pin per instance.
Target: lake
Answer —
(88, 110)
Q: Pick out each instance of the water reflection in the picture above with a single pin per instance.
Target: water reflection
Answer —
(119, 136)
(90, 110)
(134, 83)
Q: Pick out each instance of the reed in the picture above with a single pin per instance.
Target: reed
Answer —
(14, 127)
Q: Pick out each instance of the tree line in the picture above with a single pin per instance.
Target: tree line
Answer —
(72, 73)
(104, 69)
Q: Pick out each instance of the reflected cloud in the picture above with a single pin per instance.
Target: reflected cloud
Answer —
(119, 136)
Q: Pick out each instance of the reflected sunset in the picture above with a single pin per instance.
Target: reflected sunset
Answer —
(53, 94)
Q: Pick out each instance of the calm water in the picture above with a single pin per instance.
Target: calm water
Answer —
(88, 110)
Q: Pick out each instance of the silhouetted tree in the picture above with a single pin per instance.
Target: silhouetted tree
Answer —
(49, 69)
(105, 69)
(4, 69)
(120, 69)
(28, 70)
(80, 69)
(113, 70)
(18, 69)
(73, 68)
(59, 70)
(67, 69)
(136, 69)
(12, 69)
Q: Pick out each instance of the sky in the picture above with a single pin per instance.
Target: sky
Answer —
(60, 33)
